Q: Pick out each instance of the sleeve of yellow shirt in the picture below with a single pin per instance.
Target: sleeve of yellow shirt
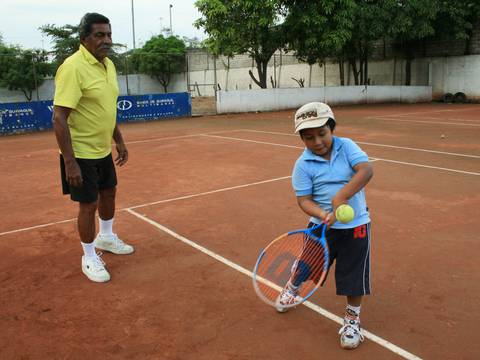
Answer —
(68, 89)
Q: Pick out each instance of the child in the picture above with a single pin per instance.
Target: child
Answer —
(330, 172)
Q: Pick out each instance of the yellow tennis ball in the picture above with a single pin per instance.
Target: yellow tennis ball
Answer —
(344, 213)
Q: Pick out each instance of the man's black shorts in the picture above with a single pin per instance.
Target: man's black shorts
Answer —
(97, 174)
(350, 249)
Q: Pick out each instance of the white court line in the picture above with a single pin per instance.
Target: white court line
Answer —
(239, 186)
(376, 339)
(436, 118)
(254, 141)
(429, 166)
(391, 119)
(127, 143)
(377, 158)
(178, 137)
(419, 149)
(208, 192)
(434, 111)
(36, 226)
(381, 145)
(154, 203)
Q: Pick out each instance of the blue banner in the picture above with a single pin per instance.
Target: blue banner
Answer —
(37, 115)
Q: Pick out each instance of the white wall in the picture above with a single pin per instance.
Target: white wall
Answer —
(455, 73)
(445, 74)
(280, 99)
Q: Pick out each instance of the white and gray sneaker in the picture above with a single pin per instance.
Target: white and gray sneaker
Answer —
(350, 334)
(113, 244)
(94, 268)
(286, 299)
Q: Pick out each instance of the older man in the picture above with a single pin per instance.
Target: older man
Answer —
(85, 108)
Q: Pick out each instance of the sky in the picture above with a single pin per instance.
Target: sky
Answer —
(20, 19)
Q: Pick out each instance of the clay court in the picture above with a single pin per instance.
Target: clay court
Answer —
(199, 198)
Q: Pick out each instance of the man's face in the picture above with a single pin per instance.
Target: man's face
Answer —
(99, 42)
(319, 141)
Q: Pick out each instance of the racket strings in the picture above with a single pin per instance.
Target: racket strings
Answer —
(297, 259)
(310, 264)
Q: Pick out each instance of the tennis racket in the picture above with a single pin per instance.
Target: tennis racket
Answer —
(296, 262)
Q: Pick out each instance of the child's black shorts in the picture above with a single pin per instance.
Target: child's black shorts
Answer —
(97, 174)
(350, 248)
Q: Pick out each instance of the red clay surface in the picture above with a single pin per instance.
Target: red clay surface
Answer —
(171, 301)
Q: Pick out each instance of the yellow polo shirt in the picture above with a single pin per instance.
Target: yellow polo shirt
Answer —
(90, 89)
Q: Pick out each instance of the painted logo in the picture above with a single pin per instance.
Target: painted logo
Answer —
(124, 105)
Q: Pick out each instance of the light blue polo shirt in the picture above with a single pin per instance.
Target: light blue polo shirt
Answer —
(313, 175)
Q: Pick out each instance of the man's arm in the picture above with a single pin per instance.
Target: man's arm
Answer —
(64, 141)
(122, 151)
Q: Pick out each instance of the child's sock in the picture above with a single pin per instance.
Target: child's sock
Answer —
(352, 312)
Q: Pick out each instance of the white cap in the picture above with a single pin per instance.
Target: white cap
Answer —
(312, 115)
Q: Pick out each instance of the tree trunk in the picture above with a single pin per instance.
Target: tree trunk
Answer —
(468, 42)
(262, 72)
(365, 71)
(28, 94)
(354, 70)
(341, 68)
(164, 81)
(409, 54)
(360, 69)
(408, 71)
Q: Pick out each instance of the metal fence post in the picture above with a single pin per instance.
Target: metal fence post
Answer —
(215, 75)
(126, 74)
(35, 77)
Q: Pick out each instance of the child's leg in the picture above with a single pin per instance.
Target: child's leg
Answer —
(351, 333)
(352, 311)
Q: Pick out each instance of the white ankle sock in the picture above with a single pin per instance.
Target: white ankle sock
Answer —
(89, 249)
(105, 226)
(352, 312)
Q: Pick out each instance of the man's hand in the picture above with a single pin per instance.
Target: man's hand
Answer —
(73, 173)
(122, 156)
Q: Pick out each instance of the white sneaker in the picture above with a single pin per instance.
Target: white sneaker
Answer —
(350, 334)
(113, 244)
(94, 268)
(286, 299)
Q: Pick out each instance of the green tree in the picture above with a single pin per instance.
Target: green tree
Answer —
(243, 27)
(65, 40)
(411, 22)
(161, 57)
(318, 30)
(370, 23)
(456, 20)
(23, 70)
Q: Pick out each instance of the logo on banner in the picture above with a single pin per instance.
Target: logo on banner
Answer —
(124, 105)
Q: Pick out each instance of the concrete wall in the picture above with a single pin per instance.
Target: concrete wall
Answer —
(280, 99)
(445, 74)
(454, 74)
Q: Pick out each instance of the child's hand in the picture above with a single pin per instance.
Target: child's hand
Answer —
(329, 219)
